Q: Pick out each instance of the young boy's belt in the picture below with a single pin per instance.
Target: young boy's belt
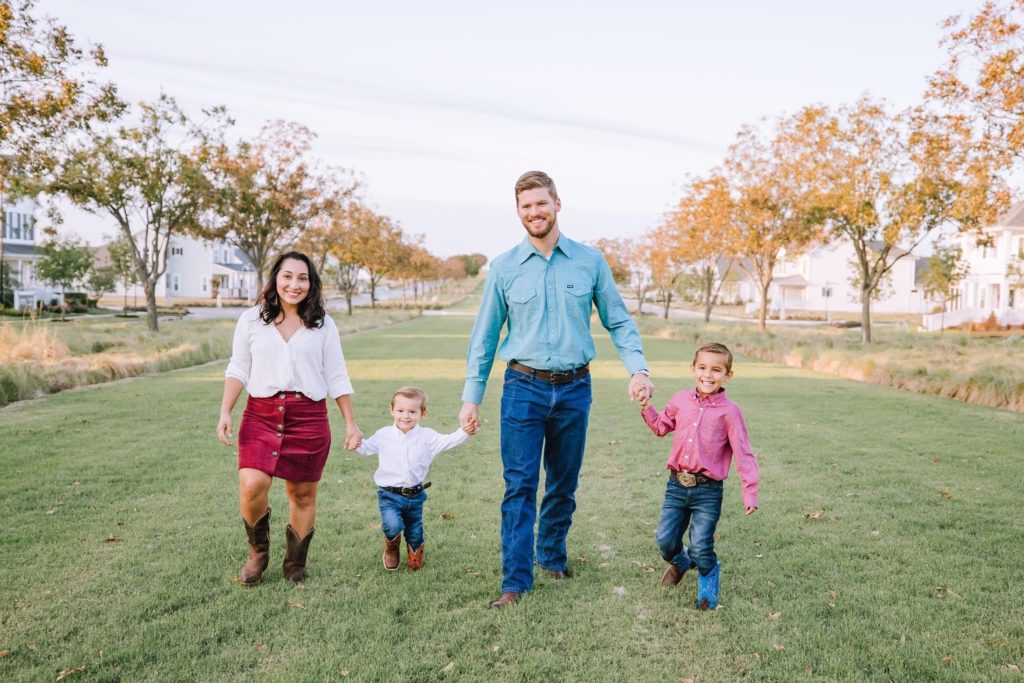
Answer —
(549, 376)
(688, 479)
(408, 491)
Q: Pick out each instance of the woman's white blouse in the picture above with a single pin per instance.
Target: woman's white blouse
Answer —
(310, 362)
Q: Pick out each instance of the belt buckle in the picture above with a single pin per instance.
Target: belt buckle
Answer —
(556, 377)
(686, 479)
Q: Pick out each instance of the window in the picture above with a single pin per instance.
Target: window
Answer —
(205, 283)
(177, 251)
(16, 226)
(177, 282)
(1020, 247)
(30, 228)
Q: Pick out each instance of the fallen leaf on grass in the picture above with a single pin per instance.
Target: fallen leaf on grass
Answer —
(262, 647)
(936, 459)
(447, 515)
(947, 495)
(494, 648)
(943, 592)
(344, 672)
(70, 672)
(51, 512)
(815, 514)
(293, 604)
(1013, 667)
(615, 442)
(111, 539)
(4, 653)
(619, 590)
(32, 646)
(447, 667)
(949, 661)
(687, 680)
(774, 616)
(778, 648)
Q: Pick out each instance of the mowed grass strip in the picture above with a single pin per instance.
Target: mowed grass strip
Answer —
(887, 546)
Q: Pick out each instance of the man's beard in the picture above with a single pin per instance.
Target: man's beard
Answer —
(541, 232)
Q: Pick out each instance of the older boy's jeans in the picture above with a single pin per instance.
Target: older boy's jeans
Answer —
(549, 421)
(698, 507)
(399, 513)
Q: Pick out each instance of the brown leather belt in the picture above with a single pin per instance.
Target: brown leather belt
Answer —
(549, 376)
(408, 491)
(689, 479)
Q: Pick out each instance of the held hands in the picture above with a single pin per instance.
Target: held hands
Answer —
(469, 418)
(641, 389)
(353, 436)
(224, 429)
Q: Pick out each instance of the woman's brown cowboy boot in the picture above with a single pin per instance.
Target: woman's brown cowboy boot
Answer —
(259, 549)
(295, 554)
(415, 557)
(391, 556)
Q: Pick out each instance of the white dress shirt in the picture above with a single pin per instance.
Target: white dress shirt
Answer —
(405, 457)
(310, 362)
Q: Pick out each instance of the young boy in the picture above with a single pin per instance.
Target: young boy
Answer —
(405, 452)
(709, 431)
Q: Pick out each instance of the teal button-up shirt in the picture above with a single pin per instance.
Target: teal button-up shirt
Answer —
(547, 305)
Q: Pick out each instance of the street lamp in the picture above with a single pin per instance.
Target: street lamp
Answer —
(826, 292)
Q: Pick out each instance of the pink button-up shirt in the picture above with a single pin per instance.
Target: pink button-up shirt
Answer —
(708, 430)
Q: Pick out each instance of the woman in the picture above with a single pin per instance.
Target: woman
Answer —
(287, 355)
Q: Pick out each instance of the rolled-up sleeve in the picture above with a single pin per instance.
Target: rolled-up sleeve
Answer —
(335, 371)
(240, 364)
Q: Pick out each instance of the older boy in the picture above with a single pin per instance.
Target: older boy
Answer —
(709, 431)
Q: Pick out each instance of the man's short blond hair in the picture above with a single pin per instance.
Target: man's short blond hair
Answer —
(411, 392)
(534, 179)
(716, 347)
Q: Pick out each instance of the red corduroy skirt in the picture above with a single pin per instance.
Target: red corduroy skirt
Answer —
(286, 435)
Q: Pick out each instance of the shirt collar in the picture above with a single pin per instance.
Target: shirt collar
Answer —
(401, 434)
(714, 400)
(526, 249)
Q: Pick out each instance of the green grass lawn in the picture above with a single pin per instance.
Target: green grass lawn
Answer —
(888, 544)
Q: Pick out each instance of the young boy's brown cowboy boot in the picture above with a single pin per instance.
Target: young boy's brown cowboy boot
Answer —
(391, 549)
(415, 557)
(295, 552)
(259, 549)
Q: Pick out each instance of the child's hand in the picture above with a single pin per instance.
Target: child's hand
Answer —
(750, 509)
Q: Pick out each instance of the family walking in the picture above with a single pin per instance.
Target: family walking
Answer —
(287, 356)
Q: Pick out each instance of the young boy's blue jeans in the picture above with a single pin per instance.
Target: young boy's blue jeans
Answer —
(540, 423)
(400, 513)
(697, 507)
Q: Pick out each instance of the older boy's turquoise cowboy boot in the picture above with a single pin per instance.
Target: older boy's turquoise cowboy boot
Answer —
(707, 589)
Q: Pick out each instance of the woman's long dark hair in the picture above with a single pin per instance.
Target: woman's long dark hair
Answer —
(311, 309)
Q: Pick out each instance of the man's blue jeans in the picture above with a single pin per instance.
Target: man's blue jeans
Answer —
(539, 420)
(697, 507)
(399, 513)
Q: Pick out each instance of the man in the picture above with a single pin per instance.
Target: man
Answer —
(544, 289)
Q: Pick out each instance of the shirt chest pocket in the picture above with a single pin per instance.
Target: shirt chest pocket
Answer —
(578, 298)
(524, 306)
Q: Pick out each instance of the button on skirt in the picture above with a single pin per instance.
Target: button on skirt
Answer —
(286, 435)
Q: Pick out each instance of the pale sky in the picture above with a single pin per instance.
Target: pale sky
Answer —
(440, 106)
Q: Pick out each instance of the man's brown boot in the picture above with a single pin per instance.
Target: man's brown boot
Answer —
(295, 553)
(415, 557)
(391, 557)
(259, 549)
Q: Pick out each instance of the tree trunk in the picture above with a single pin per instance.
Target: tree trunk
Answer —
(668, 302)
(150, 289)
(762, 313)
(348, 300)
(373, 294)
(708, 303)
(865, 316)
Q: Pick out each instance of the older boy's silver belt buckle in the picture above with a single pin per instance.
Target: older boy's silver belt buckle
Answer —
(686, 479)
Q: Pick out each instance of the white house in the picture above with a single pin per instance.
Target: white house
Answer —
(994, 284)
(197, 269)
(820, 280)
(19, 253)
